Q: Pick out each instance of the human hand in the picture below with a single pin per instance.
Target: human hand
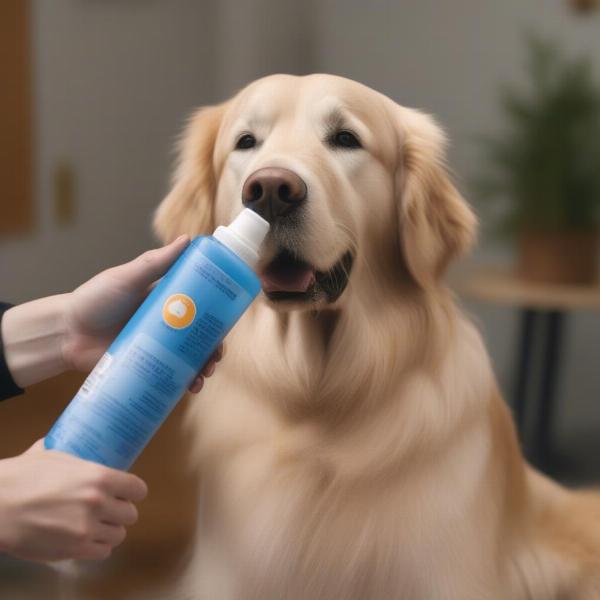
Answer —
(54, 506)
(98, 309)
(45, 337)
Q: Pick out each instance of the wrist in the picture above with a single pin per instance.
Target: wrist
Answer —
(34, 336)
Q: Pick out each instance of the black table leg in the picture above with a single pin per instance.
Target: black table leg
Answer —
(542, 440)
(523, 367)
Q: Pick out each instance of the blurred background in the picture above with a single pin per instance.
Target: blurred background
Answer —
(93, 94)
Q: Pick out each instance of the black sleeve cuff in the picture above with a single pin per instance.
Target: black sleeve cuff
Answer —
(8, 387)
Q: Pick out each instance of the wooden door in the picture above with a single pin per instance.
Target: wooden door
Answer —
(16, 205)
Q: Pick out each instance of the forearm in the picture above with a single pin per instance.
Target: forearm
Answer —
(33, 335)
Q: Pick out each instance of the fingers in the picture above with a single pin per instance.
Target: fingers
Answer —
(111, 514)
(219, 353)
(115, 483)
(94, 551)
(197, 384)
(208, 369)
(113, 535)
(125, 486)
(118, 512)
(141, 272)
(100, 541)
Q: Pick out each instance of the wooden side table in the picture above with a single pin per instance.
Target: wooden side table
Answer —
(543, 309)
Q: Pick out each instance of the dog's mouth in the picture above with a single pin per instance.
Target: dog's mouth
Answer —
(289, 278)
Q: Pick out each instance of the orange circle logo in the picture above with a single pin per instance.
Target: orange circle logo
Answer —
(179, 311)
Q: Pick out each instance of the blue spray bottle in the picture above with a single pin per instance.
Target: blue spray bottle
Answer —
(154, 359)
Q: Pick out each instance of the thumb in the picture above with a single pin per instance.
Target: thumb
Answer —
(142, 271)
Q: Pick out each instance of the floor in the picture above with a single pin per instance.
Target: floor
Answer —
(120, 578)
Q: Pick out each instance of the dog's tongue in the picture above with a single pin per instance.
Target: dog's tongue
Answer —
(287, 278)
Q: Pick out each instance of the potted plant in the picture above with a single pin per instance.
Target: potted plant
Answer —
(547, 166)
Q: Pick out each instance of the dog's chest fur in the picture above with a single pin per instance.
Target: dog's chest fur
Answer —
(283, 517)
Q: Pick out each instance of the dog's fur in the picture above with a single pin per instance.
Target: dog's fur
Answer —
(360, 449)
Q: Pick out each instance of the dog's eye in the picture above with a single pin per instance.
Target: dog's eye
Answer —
(344, 139)
(246, 142)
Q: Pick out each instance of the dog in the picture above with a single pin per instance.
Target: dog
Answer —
(354, 444)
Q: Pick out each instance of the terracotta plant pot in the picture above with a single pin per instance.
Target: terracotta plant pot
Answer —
(558, 257)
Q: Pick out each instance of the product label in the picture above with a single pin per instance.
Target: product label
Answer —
(151, 363)
(95, 378)
(179, 311)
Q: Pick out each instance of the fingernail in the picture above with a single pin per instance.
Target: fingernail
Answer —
(182, 237)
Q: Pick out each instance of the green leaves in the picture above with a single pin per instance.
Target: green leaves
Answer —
(547, 163)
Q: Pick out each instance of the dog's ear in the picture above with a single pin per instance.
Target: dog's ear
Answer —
(435, 223)
(189, 206)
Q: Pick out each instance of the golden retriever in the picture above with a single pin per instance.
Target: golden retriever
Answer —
(353, 445)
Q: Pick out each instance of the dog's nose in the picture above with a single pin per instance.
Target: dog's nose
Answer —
(273, 192)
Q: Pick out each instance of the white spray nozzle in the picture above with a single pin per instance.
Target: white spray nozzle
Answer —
(244, 235)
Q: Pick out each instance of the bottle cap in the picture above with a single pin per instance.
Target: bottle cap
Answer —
(244, 235)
